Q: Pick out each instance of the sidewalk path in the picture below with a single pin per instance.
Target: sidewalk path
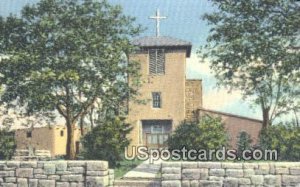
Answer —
(145, 171)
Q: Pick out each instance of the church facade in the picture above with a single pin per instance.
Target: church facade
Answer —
(169, 97)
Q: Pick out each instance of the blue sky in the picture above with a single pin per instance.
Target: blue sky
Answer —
(184, 22)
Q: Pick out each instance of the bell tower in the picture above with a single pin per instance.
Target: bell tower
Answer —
(163, 75)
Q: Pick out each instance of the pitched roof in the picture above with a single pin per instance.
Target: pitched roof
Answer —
(162, 41)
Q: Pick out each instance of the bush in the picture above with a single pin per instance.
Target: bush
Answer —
(106, 141)
(7, 144)
(283, 138)
(244, 142)
(209, 133)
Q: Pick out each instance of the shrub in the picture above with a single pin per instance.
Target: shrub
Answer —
(209, 133)
(107, 141)
(283, 138)
(244, 142)
(7, 144)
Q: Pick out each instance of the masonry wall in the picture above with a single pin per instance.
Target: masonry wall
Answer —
(235, 124)
(217, 174)
(55, 174)
(193, 98)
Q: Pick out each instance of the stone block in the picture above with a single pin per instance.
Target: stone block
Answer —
(13, 164)
(195, 183)
(33, 182)
(61, 166)
(295, 171)
(191, 174)
(9, 185)
(79, 184)
(270, 180)
(189, 165)
(206, 183)
(53, 177)
(22, 182)
(46, 183)
(250, 165)
(238, 173)
(226, 165)
(171, 176)
(96, 181)
(249, 172)
(290, 180)
(217, 172)
(10, 179)
(171, 183)
(257, 179)
(76, 170)
(231, 182)
(185, 183)
(214, 178)
(171, 170)
(7, 174)
(24, 172)
(97, 173)
(49, 168)
(72, 178)
(38, 171)
(97, 165)
(263, 169)
(244, 181)
(62, 184)
(40, 176)
(76, 163)
(210, 165)
(281, 170)
(28, 164)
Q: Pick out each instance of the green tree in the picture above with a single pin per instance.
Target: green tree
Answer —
(209, 133)
(284, 138)
(65, 56)
(106, 141)
(253, 46)
(244, 142)
(7, 144)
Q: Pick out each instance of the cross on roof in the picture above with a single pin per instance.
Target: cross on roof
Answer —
(157, 18)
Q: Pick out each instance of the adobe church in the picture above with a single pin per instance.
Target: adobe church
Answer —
(170, 97)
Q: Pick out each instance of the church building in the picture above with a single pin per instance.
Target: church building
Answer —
(170, 97)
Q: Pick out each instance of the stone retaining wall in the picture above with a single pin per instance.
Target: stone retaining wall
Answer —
(214, 174)
(55, 174)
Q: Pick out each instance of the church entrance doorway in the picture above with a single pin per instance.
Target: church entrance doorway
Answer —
(156, 132)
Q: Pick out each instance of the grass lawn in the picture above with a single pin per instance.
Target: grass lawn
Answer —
(125, 166)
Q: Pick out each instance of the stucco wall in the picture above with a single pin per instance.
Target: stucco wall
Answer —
(172, 88)
(235, 124)
(217, 174)
(45, 138)
(55, 174)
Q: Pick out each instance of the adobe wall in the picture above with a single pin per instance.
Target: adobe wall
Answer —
(45, 138)
(217, 174)
(235, 124)
(55, 173)
(172, 88)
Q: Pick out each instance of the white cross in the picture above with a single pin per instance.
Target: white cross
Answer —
(157, 18)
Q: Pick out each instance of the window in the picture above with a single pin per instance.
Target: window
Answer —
(156, 61)
(61, 133)
(29, 134)
(156, 100)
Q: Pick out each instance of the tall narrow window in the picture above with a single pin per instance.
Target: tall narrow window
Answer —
(156, 100)
(156, 61)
